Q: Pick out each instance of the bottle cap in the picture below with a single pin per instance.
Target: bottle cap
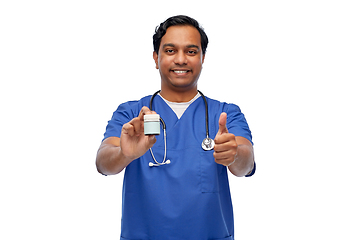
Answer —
(151, 118)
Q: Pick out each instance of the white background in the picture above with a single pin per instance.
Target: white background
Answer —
(292, 67)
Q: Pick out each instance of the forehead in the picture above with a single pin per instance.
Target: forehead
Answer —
(181, 36)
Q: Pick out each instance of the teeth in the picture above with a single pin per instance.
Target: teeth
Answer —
(180, 71)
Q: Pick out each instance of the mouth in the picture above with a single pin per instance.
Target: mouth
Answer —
(180, 71)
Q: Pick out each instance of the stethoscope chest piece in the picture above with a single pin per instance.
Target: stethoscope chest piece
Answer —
(208, 144)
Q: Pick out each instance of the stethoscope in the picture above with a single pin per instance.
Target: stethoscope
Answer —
(207, 144)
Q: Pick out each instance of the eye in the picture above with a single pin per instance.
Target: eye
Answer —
(169, 51)
(192, 52)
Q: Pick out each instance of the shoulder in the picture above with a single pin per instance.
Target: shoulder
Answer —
(223, 106)
(123, 114)
(132, 108)
(236, 121)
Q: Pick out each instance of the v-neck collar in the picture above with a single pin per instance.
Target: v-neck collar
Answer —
(169, 115)
(183, 105)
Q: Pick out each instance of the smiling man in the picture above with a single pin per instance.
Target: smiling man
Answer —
(179, 60)
(187, 195)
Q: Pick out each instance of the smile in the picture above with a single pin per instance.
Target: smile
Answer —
(180, 71)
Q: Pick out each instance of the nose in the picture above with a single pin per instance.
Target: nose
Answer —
(180, 58)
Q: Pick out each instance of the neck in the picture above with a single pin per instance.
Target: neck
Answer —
(176, 96)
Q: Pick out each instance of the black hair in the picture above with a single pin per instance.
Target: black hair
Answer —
(174, 21)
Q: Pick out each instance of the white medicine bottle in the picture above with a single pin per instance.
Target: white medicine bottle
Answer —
(152, 124)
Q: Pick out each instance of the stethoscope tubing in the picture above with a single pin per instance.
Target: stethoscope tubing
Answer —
(150, 106)
(207, 144)
(206, 112)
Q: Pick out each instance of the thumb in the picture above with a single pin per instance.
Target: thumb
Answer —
(222, 124)
(151, 140)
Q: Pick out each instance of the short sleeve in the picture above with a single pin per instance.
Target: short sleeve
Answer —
(123, 114)
(236, 122)
(252, 171)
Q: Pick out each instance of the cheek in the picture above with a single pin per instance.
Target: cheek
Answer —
(198, 66)
(164, 63)
(198, 61)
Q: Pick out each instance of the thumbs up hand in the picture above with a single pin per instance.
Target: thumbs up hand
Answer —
(225, 149)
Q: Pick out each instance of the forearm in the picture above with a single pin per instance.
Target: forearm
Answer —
(110, 160)
(244, 161)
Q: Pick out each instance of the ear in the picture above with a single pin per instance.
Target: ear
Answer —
(203, 58)
(156, 57)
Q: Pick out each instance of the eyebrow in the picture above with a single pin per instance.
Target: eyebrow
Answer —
(193, 46)
(173, 45)
(168, 45)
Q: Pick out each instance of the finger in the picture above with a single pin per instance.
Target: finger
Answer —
(225, 144)
(225, 152)
(222, 123)
(144, 110)
(222, 155)
(225, 138)
(225, 162)
(224, 158)
(220, 147)
(151, 140)
(138, 126)
(221, 138)
(128, 129)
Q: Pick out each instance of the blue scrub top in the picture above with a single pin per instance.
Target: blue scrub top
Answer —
(190, 197)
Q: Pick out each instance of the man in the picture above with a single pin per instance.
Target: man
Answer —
(188, 198)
